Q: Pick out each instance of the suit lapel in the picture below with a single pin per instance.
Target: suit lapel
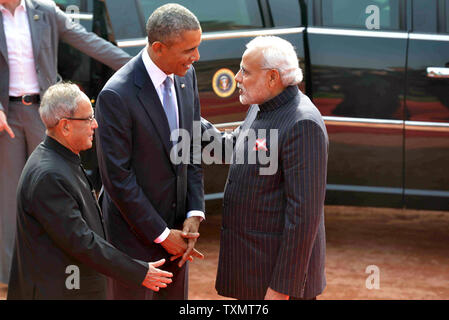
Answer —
(152, 105)
(3, 47)
(184, 110)
(37, 24)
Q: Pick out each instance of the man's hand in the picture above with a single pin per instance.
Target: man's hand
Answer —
(274, 295)
(4, 124)
(176, 245)
(155, 277)
(190, 232)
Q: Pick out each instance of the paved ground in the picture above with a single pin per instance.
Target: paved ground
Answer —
(410, 249)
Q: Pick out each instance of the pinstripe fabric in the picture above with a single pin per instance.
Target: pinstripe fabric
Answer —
(273, 225)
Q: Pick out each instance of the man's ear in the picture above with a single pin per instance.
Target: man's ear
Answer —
(273, 77)
(157, 47)
(64, 127)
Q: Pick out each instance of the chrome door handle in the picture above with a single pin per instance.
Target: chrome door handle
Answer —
(436, 72)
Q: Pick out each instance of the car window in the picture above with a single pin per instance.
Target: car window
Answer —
(216, 15)
(285, 13)
(361, 14)
(425, 16)
(79, 10)
(447, 16)
(65, 3)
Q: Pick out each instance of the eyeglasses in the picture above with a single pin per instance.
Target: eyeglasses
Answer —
(90, 119)
(245, 72)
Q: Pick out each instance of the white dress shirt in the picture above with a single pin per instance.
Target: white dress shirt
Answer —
(22, 69)
(158, 77)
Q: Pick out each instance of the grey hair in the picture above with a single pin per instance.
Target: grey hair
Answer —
(60, 101)
(169, 21)
(278, 54)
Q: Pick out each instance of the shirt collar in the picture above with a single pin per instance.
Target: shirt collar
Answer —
(281, 99)
(156, 74)
(21, 4)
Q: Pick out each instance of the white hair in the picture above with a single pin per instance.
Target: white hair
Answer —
(60, 101)
(278, 54)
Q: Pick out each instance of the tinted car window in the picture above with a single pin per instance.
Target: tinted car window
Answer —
(216, 15)
(353, 13)
(285, 13)
(425, 16)
(447, 16)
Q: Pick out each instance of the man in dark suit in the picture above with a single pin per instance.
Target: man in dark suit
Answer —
(60, 246)
(273, 239)
(30, 31)
(153, 206)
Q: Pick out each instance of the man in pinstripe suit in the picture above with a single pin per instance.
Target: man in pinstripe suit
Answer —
(273, 237)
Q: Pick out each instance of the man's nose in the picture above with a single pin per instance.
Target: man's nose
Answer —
(238, 76)
(94, 124)
(196, 55)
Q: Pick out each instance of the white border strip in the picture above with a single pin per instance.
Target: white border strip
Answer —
(312, 30)
(432, 37)
(387, 190)
(359, 120)
(427, 124)
(368, 189)
(249, 34)
(358, 33)
(80, 16)
(362, 120)
(207, 36)
(127, 43)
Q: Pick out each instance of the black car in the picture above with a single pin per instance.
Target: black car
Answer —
(378, 70)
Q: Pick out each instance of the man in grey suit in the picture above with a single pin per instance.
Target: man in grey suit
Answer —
(273, 238)
(29, 34)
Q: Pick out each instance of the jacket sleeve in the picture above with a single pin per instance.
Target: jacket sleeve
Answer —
(89, 43)
(114, 152)
(217, 146)
(59, 214)
(303, 157)
(195, 183)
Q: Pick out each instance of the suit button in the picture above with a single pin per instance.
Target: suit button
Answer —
(173, 205)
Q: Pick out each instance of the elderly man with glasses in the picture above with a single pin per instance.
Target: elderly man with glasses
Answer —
(60, 250)
(273, 242)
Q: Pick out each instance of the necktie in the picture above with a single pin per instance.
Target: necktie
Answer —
(169, 104)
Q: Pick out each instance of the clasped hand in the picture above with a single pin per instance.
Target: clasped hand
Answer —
(181, 243)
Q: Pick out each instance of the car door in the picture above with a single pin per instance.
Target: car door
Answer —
(74, 65)
(358, 58)
(427, 106)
